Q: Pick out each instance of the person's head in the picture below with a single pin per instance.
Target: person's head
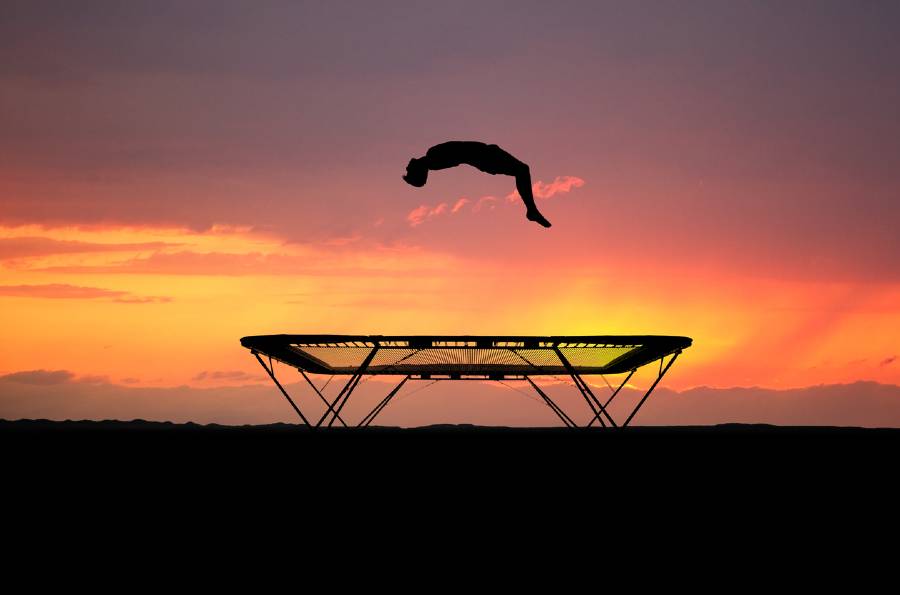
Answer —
(416, 173)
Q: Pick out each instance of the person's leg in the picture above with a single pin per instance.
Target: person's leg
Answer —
(523, 185)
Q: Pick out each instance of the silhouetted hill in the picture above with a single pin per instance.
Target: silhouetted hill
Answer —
(476, 445)
(50, 429)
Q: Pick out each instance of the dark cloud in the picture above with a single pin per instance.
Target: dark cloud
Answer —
(888, 361)
(52, 378)
(64, 291)
(93, 379)
(228, 375)
(59, 291)
(39, 377)
(142, 300)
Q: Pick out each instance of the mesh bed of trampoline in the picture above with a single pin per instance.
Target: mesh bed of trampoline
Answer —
(484, 358)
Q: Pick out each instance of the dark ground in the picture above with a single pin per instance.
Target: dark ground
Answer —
(468, 452)
(473, 482)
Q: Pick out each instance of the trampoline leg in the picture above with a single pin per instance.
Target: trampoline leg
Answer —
(281, 388)
(331, 410)
(321, 396)
(331, 405)
(559, 412)
(584, 388)
(655, 382)
(588, 397)
(374, 413)
(613, 396)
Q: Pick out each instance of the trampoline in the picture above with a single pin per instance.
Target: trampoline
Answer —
(465, 357)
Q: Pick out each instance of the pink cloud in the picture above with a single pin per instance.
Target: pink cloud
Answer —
(423, 212)
(326, 263)
(484, 201)
(459, 204)
(28, 247)
(418, 215)
(559, 185)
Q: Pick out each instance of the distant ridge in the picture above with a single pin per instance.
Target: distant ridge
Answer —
(25, 426)
(64, 396)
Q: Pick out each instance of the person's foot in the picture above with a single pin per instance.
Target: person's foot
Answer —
(537, 218)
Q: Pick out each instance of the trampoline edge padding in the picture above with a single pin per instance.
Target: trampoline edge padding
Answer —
(466, 355)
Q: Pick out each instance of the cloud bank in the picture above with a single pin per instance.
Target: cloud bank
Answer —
(63, 291)
(60, 394)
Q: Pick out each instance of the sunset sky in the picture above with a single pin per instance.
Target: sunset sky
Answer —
(176, 175)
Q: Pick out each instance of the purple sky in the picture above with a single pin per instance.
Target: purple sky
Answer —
(767, 130)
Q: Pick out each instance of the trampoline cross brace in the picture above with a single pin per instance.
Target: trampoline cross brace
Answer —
(613, 396)
(321, 396)
(374, 413)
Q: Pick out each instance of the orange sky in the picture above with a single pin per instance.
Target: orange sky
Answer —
(156, 306)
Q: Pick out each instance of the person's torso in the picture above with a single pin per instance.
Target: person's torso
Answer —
(455, 152)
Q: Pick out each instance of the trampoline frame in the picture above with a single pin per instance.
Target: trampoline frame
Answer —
(651, 348)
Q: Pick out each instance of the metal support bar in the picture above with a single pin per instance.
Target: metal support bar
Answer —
(330, 409)
(613, 396)
(585, 391)
(281, 388)
(658, 378)
(344, 401)
(562, 414)
(321, 396)
(583, 387)
(348, 388)
(374, 413)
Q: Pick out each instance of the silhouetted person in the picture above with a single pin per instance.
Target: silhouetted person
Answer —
(488, 158)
